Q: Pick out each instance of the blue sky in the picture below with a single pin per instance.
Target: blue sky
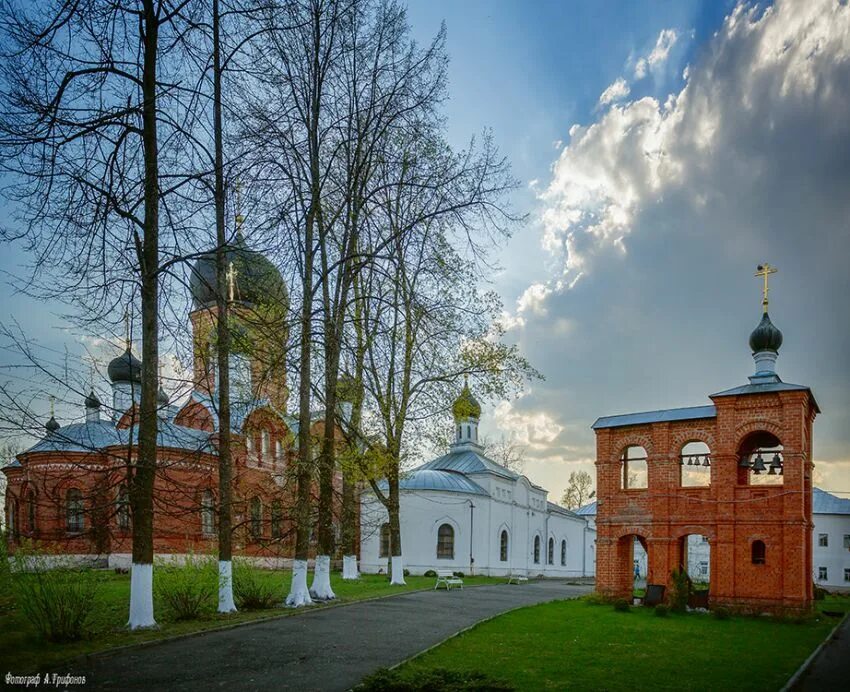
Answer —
(664, 149)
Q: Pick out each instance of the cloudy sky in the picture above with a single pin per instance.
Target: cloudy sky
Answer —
(665, 149)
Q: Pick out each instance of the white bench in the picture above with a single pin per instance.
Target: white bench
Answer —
(447, 577)
(518, 578)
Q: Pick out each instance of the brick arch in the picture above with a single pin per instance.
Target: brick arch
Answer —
(683, 437)
(756, 426)
(641, 531)
(694, 530)
(634, 440)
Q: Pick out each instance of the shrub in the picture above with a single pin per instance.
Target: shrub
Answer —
(597, 598)
(621, 605)
(721, 613)
(820, 593)
(54, 595)
(406, 572)
(250, 590)
(430, 573)
(384, 680)
(661, 610)
(459, 575)
(187, 590)
(679, 590)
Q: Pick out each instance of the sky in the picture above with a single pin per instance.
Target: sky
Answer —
(663, 150)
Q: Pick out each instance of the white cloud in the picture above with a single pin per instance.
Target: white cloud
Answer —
(616, 91)
(533, 298)
(532, 429)
(659, 54)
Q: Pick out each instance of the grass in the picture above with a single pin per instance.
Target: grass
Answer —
(23, 651)
(574, 645)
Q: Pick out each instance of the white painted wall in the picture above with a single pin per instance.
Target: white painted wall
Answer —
(835, 557)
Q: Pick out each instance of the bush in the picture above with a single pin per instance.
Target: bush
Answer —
(621, 605)
(721, 613)
(250, 590)
(459, 575)
(679, 590)
(384, 680)
(406, 572)
(820, 593)
(187, 590)
(661, 610)
(430, 573)
(56, 597)
(597, 598)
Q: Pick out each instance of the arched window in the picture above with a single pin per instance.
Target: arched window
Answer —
(277, 519)
(550, 552)
(13, 519)
(758, 552)
(74, 518)
(207, 513)
(31, 513)
(633, 466)
(563, 553)
(122, 508)
(503, 546)
(445, 542)
(385, 541)
(761, 460)
(695, 465)
(537, 550)
(256, 518)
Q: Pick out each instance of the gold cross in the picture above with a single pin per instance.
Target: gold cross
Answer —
(765, 270)
(231, 281)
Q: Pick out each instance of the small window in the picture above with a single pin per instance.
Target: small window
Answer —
(445, 542)
(207, 513)
(503, 546)
(823, 540)
(634, 470)
(13, 519)
(74, 518)
(278, 450)
(385, 541)
(277, 519)
(265, 442)
(846, 574)
(823, 575)
(122, 508)
(847, 541)
(256, 518)
(550, 552)
(758, 552)
(31, 513)
(703, 569)
(563, 553)
(249, 443)
(537, 550)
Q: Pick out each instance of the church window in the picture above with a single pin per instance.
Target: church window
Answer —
(703, 568)
(537, 550)
(758, 553)
(550, 552)
(74, 520)
(31, 512)
(385, 541)
(503, 546)
(459, 434)
(823, 540)
(265, 443)
(468, 434)
(249, 443)
(823, 574)
(633, 466)
(847, 541)
(278, 450)
(695, 465)
(445, 542)
(277, 519)
(122, 508)
(207, 513)
(563, 553)
(846, 574)
(13, 519)
(256, 518)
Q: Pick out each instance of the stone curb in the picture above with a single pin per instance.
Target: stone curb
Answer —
(803, 669)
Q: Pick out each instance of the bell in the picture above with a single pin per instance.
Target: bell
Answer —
(690, 461)
(706, 462)
(744, 463)
(758, 464)
(681, 461)
(776, 465)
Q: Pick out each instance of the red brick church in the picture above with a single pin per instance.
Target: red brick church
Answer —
(737, 472)
(68, 492)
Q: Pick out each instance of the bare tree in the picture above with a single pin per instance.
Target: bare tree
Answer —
(507, 452)
(579, 490)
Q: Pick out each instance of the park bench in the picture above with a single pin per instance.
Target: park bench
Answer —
(518, 578)
(447, 577)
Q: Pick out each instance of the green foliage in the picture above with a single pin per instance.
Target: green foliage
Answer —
(661, 610)
(251, 590)
(384, 680)
(459, 575)
(597, 598)
(406, 572)
(721, 613)
(430, 573)
(679, 590)
(621, 605)
(188, 590)
(56, 597)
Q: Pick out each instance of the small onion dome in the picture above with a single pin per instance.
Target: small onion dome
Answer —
(125, 368)
(92, 401)
(161, 397)
(258, 282)
(765, 337)
(466, 406)
(52, 426)
(346, 388)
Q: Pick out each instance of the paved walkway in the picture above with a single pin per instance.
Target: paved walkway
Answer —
(831, 669)
(327, 649)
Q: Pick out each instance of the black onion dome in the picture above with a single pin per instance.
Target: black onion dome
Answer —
(92, 401)
(125, 368)
(765, 337)
(258, 281)
(52, 426)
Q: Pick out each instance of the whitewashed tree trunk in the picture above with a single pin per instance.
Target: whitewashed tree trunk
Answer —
(141, 597)
(349, 567)
(225, 587)
(321, 589)
(299, 595)
(397, 567)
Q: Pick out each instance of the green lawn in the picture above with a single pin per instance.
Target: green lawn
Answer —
(21, 649)
(574, 645)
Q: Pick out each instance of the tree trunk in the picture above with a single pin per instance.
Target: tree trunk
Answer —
(396, 561)
(141, 493)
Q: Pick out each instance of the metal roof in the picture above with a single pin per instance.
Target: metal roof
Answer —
(662, 416)
(469, 461)
(81, 437)
(436, 479)
(589, 510)
(561, 510)
(172, 436)
(766, 389)
(827, 503)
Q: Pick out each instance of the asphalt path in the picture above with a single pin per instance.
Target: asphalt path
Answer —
(831, 668)
(323, 649)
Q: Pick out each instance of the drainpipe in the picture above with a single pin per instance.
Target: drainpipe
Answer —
(471, 527)
(584, 550)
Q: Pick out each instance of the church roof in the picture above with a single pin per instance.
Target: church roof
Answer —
(172, 436)
(469, 461)
(662, 416)
(588, 510)
(827, 503)
(766, 389)
(436, 479)
(557, 509)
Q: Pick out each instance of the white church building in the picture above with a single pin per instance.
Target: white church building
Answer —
(463, 511)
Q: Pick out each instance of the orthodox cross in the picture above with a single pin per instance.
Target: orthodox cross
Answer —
(765, 270)
(52, 406)
(239, 217)
(231, 281)
(127, 329)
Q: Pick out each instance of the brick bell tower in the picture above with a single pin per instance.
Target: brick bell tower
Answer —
(736, 474)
